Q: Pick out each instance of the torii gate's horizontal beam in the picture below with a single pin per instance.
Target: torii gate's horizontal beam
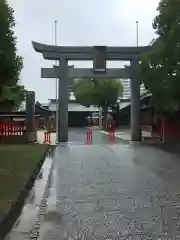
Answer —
(86, 53)
(39, 47)
(87, 73)
(89, 56)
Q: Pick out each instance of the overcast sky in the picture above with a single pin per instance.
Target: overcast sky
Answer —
(80, 22)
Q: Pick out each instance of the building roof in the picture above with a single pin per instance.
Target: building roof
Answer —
(73, 107)
(20, 114)
(70, 101)
(45, 107)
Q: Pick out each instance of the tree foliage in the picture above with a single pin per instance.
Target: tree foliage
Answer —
(12, 96)
(10, 62)
(99, 92)
(160, 69)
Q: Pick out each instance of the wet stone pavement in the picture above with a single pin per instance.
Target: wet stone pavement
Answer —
(113, 191)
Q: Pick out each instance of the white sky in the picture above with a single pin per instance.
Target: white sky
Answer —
(80, 22)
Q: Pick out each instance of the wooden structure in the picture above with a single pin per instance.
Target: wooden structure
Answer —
(13, 127)
(150, 121)
(44, 115)
(77, 114)
(164, 126)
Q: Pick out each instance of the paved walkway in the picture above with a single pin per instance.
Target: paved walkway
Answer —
(119, 191)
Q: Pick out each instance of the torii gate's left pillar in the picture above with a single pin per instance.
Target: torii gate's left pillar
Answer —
(63, 97)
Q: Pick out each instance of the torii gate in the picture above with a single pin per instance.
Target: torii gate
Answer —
(85, 73)
(99, 54)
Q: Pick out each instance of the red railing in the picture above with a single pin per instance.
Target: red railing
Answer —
(12, 129)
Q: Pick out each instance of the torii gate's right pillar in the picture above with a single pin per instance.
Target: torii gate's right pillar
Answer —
(135, 101)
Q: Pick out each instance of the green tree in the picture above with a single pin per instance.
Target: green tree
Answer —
(98, 92)
(11, 64)
(160, 69)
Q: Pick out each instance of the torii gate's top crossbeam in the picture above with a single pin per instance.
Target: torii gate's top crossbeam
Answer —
(86, 53)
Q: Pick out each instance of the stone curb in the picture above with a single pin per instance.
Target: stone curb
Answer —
(10, 218)
(35, 231)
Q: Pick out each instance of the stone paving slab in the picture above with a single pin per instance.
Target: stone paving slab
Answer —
(114, 192)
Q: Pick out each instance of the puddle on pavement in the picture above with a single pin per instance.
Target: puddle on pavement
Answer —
(27, 218)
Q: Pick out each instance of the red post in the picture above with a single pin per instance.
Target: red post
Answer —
(89, 136)
(162, 130)
(47, 138)
(112, 135)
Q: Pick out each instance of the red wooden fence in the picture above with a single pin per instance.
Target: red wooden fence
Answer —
(12, 129)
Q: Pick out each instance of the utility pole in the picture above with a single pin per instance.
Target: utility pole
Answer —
(137, 33)
(56, 63)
